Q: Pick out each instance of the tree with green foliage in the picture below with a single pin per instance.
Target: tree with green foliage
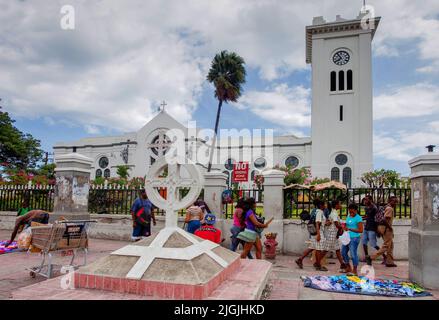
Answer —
(17, 149)
(382, 178)
(227, 73)
(123, 171)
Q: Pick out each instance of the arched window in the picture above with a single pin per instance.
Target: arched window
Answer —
(333, 81)
(260, 163)
(98, 173)
(341, 80)
(103, 162)
(335, 174)
(292, 162)
(106, 173)
(349, 80)
(347, 176)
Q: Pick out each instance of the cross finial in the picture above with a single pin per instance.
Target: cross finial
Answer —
(163, 105)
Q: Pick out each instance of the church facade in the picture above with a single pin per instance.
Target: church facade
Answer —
(341, 142)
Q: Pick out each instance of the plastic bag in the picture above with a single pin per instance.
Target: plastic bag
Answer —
(345, 238)
(24, 239)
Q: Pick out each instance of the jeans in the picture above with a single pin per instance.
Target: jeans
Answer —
(369, 237)
(353, 248)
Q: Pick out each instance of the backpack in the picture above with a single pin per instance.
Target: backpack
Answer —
(311, 226)
(143, 217)
(379, 216)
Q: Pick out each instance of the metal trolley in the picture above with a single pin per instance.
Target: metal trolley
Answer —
(62, 236)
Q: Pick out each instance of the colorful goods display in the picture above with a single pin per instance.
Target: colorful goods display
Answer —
(364, 285)
(11, 248)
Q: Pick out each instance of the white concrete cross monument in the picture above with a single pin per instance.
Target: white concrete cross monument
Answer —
(172, 204)
(173, 182)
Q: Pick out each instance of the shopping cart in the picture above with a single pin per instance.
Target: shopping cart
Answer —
(67, 236)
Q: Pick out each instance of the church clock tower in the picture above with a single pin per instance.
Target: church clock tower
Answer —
(342, 130)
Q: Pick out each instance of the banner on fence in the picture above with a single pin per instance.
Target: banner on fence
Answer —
(240, 172)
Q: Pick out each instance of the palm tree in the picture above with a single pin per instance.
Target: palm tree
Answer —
(227, 73)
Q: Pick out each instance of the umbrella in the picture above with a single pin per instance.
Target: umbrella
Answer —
(296, 186)
(329, 185)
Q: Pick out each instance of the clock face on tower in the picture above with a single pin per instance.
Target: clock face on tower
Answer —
(341, 57)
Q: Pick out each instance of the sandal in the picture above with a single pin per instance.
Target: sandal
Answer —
(299, 263)
(323, 269)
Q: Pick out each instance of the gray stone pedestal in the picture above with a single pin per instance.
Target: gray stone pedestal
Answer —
(72, 186)
(424, 233)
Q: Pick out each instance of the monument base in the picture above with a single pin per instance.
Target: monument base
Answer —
(173, 264)
(423, 258)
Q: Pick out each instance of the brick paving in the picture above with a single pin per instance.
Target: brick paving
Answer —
(283, 281)
(13, 273)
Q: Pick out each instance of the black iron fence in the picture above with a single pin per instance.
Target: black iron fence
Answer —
(38, 197)
(257, 194)
(118, 200)
(297, 200)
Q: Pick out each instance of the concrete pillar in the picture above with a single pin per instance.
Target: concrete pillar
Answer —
(274, 203)
(215, 182)
(72, 186)
(424, 232)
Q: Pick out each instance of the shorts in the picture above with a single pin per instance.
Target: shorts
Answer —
(369, 237)
(140, 231)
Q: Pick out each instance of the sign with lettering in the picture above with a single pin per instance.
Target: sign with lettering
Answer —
(240, 172)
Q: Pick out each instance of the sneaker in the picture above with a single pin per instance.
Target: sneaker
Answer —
(391, 265)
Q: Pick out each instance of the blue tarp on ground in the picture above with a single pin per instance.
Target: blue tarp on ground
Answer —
(363, 285)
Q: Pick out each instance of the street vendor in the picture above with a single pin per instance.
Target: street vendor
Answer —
(39, 216)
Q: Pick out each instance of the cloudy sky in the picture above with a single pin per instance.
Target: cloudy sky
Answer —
(110, 74)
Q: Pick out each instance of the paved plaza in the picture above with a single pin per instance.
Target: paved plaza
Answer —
(283, 284)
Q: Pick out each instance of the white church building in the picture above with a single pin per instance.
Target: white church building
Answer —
(340, 146)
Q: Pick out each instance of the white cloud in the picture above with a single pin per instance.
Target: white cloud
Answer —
(90, 129)
(122, 60)
(405, 145)
(282, 105)
(409, 101)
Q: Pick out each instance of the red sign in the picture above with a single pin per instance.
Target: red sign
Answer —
(240, 172)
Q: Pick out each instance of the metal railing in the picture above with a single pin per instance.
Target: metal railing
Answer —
(119, 199)
(297, 200)
(38, 196)
(257, 194)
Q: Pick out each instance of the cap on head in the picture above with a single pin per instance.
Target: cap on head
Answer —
(210, 219)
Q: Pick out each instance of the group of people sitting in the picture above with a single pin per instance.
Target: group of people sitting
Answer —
(325, 228)
(200, 221)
